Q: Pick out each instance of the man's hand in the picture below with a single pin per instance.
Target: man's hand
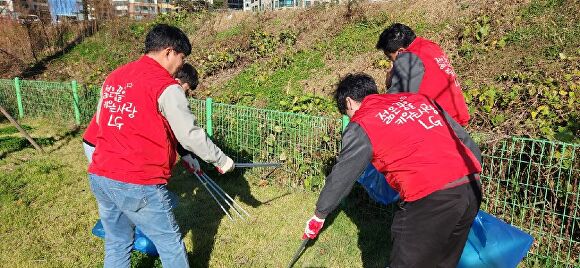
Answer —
(313, 226)
(191, 164)
(227, 167)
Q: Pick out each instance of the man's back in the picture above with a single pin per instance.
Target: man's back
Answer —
(424, 68)
(134, 141)
(413, 143)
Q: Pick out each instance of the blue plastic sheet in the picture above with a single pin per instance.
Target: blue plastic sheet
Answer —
(377, 187)
(142, 243)
(493, 243)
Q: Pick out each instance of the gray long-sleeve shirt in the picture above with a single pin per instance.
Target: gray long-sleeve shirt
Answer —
(408, 71)
(174, 106)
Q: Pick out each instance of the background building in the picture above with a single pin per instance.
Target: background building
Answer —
(6, 8)
(60, 9)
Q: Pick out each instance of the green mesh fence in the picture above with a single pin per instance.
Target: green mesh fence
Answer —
(8, 97)
(88, 98)
(198, 109)
(533, 184)
(306, 145)
(50, 100)
(47, 99)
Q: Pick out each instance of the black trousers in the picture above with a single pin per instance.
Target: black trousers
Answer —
(432, 231)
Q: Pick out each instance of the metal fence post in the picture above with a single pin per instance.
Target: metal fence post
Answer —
(345, 121)
(208, 113)
(76, 102)
(18, 97)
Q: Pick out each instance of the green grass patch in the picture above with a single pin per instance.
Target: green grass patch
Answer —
(272, 85)
(231, 32)
(13, 144)
(47, 212)
(12, 141)
(539, 7)
(5, 130)
(548, 27)
(356, 39)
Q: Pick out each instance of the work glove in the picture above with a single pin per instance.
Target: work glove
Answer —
(227, 167)
(313, 226)
(191, 164)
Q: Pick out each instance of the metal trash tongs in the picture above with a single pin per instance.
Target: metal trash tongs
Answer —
(253, 165)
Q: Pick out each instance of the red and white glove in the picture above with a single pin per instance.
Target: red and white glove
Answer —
(227, 167)
(191, 164)
(313, 226)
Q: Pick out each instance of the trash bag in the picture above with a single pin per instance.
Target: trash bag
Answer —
(377, 187)
(493, 243)
(142, 242)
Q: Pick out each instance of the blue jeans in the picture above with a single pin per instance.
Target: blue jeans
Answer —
(122, 206)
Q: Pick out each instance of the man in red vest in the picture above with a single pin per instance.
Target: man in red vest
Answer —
(425, 156)
(421, 66)
(187, 77)
(141, 114)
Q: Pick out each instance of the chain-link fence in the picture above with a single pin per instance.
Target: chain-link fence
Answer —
(532, 184)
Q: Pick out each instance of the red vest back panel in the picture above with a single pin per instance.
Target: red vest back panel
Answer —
(134, 141)
(412, 144)
(440, 81)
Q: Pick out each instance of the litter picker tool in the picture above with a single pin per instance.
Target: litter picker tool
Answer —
(233, 202)
(202, 181)
(298, 252)
(253, 165)
(219, 192)
(221, 197)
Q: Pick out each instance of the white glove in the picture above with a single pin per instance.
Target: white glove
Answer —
(313, 227)
(227, 167)
(191, 164)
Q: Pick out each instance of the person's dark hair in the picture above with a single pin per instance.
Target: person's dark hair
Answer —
(188, 74)
(162, 36)
(356, 86)
(394, 37)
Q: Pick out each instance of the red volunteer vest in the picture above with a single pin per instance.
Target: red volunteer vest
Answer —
(440, 81)
(134, 141)
(90, 134)
(412, 144)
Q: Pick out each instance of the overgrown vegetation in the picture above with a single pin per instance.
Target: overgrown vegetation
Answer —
(26, 47)
(518, 62)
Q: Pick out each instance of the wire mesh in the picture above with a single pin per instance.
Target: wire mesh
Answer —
(198, 110)
(533, 185)
(8, 97)
(47, 99)
(306, 145)
(88, 98)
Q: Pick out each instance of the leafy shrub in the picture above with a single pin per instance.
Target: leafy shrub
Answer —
(264, 43)
(533, 105)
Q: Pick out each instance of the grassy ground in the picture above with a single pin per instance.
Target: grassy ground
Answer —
(47, 212)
